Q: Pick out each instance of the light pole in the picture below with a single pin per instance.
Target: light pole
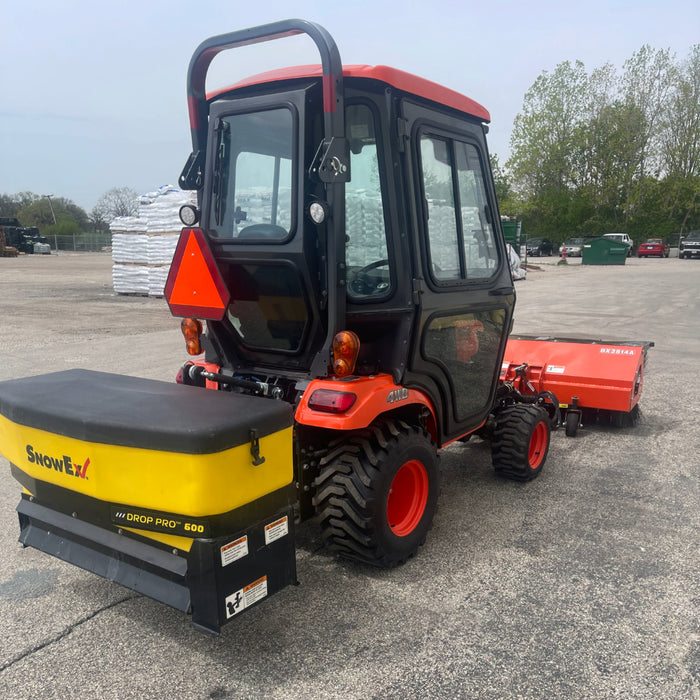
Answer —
(55, 239)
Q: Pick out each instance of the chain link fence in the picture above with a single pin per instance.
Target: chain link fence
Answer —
(83, 242)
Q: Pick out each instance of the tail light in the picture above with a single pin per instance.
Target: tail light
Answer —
(346, 348)
(331, 401)
(192, 332)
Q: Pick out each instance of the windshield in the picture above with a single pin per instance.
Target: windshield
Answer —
(252, 186)
(693, 236)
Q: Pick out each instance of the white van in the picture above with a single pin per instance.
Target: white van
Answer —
(622, 238)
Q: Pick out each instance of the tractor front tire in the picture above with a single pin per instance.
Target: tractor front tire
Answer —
(520, 442)
(376, 493)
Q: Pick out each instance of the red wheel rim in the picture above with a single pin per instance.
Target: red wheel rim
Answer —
(408, 496)
(538, 445)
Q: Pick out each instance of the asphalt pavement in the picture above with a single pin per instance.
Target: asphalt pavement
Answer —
(584, 583)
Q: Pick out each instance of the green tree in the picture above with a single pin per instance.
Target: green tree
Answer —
(647, 82)
(598, 153)
(8, 206)
(36, 213)
(70, 218)
(681, 124)
(547, 132)
(501, 183)
(11, 204)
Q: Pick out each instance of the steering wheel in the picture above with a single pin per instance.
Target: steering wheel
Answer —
(263, 231)
(363, 284)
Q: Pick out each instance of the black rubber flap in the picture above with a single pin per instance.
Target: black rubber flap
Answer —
(117, 410)
(136, 565)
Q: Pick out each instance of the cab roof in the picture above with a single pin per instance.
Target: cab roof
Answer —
(398, 79)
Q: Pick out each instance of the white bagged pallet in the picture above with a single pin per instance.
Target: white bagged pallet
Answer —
(130, 279)
(143, 246)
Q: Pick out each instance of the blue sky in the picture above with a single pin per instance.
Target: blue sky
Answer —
(92, 94)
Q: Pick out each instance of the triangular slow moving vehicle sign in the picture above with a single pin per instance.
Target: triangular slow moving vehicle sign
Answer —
(195, 286)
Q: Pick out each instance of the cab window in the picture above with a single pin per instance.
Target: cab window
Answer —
(366, 254)
(461, 240)
(252, 188)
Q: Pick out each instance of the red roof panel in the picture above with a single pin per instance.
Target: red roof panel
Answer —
(392, 76)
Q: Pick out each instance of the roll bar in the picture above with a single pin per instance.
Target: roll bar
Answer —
(331, 164)
(333, 102)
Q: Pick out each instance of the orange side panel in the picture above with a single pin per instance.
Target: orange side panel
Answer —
(375, 395)
(602, 375)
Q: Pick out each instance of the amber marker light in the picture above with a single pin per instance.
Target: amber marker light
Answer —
(346, 348)
(192, 331)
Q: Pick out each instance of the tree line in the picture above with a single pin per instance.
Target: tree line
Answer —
(605, 151)
(60, 216)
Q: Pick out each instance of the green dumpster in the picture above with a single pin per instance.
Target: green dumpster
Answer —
(604, 251)
(512, 232)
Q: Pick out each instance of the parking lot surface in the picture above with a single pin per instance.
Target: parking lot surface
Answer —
(584, 583)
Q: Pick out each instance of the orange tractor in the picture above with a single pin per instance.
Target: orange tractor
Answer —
(347, 258)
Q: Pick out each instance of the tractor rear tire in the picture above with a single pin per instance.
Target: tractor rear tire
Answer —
(376, 493)
(520, 442)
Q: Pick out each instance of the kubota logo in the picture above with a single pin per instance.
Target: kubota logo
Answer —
(63, 464)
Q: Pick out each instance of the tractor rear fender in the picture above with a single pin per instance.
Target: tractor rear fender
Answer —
(324, 402)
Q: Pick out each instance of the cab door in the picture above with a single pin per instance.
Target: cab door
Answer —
(463, 289)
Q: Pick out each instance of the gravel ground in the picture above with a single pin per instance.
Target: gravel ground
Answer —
(581, 584)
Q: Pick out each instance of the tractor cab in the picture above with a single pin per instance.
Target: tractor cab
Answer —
(351, 200)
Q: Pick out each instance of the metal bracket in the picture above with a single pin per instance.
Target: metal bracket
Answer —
(191, 177)
(332, 161)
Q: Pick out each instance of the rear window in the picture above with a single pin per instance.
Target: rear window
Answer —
(252, 188)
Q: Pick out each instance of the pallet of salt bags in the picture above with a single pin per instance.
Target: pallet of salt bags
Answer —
(157, 277)
(161, 248)
(129, 248)
(130, 279)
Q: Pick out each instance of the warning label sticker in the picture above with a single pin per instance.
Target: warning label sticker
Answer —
(275, 530)
(245, 597)
(555, 369)
(234, 550)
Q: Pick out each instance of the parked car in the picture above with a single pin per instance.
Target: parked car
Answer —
(653, 246)
(689, 245)
(539, 246)
(621, 238)
(573, 247)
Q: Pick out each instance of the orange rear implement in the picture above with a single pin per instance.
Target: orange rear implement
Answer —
(583, 374)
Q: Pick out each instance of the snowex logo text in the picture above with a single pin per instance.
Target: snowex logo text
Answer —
(63, 464)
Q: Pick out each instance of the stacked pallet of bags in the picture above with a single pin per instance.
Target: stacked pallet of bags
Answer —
(129, 249)
(143, 245)
(364, 223)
